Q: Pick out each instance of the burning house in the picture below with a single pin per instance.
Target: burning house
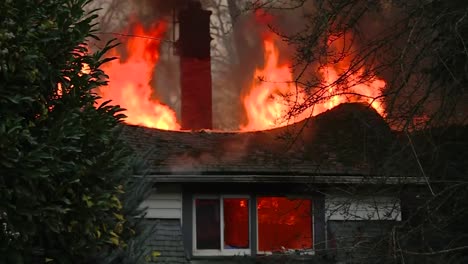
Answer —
(259, 193)
(272, 190)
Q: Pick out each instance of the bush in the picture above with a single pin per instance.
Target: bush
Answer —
(63, 170)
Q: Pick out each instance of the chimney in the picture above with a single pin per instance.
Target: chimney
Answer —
(195, 67)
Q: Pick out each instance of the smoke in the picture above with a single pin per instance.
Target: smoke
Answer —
(116, 14)
(206, 153)
(159, 7)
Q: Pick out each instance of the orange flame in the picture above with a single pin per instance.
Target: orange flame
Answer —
(85, 69)
(273, 93)
(347, 85)
(129, 80)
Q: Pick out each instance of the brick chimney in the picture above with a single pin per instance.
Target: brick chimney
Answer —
(195, 67)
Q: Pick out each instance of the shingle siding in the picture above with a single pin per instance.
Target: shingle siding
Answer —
(166, 242)
(354, 242)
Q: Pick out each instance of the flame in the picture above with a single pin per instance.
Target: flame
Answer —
(348, 85)
(129, 80)
(273, 94)
(269, 101)
(85, 69)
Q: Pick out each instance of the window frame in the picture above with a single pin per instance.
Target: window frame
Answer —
(222, 251)
(306, 252)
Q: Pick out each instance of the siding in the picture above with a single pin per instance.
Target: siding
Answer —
(368, 208)
(166, 242)
(164, 203)
(359, 242)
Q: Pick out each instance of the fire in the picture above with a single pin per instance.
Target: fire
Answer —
(272, 100)
(129, 80)
(85, 69)
(273, 94)
(368, 91)
(347, 85)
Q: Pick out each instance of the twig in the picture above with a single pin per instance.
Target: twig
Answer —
(434, 252)
(419, 163)
(135, 36)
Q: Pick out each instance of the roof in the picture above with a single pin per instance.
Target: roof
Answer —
(349, 140)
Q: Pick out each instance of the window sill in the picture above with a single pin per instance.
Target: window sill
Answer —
(288, 252)
(276, 257)
(223, 253)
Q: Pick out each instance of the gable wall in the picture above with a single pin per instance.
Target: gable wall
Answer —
(164, 203)
(362, 208)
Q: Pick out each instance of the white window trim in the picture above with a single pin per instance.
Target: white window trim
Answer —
(223, 251)
(305, 252)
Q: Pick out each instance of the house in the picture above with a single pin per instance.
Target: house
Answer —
(293, 191)
(290, 194)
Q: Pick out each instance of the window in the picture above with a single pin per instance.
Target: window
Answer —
(207, 223)
(284, 224)
(222, 225)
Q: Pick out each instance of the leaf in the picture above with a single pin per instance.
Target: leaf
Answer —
(117, 204)
(104, 104)
(66, 200)
(114, 240)
(74, 181)
(112, 233)
(119, 217)
(98, 233)
(13, 129)
(87, 200)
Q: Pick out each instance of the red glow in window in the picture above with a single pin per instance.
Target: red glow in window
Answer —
(232, 213)
(236, 223)
(284, 223)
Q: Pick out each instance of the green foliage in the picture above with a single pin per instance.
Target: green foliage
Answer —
(63, 171)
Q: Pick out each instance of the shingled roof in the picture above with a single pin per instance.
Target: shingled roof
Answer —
(351, 139)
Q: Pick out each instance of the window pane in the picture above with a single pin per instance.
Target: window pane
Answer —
(284, 223)
(236, 223)
(207, 223)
